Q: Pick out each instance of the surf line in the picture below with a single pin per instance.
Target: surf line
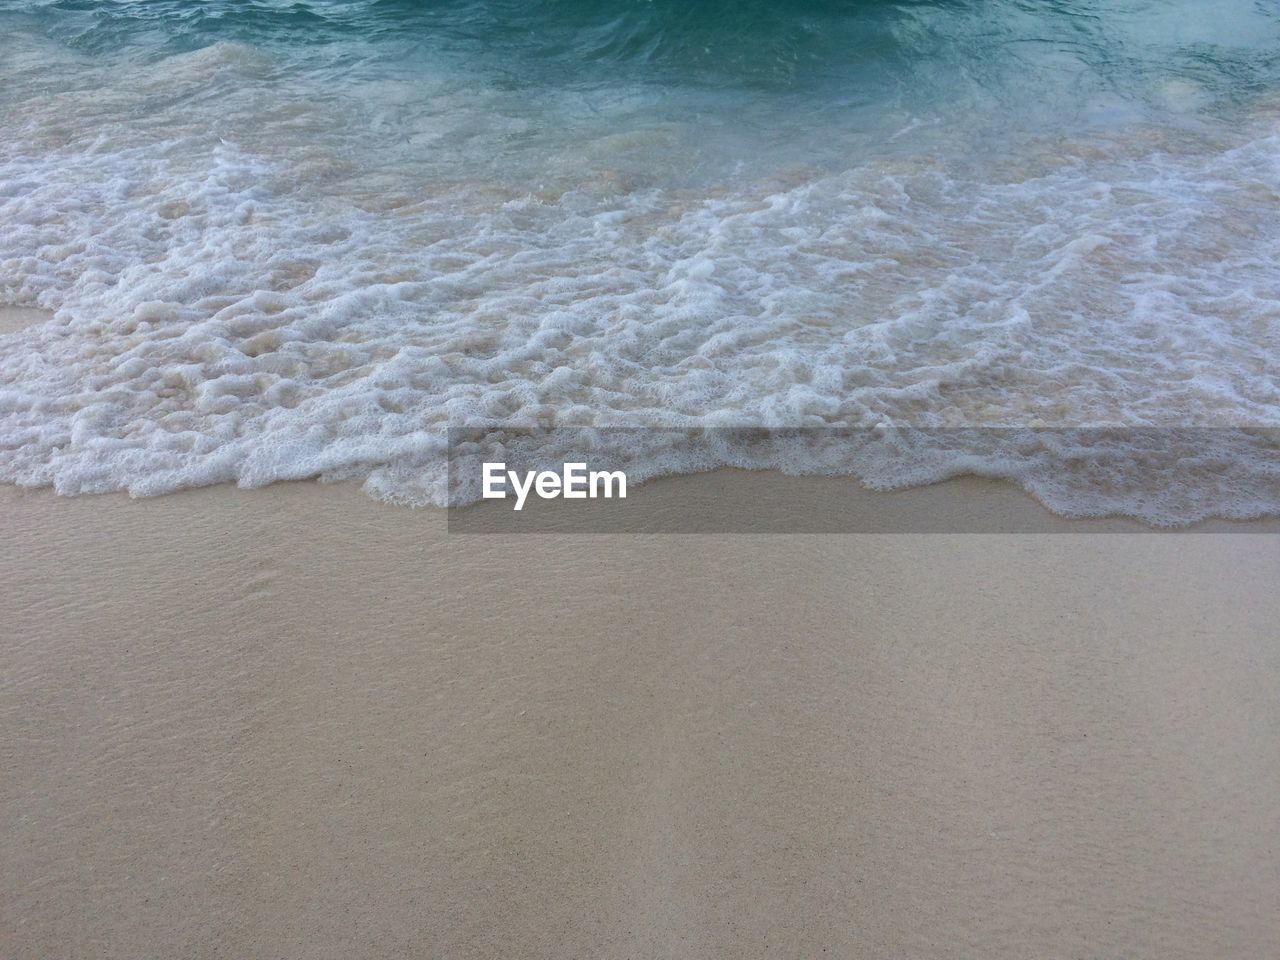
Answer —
(573, 482)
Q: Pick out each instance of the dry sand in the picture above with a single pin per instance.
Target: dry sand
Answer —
(296, 723)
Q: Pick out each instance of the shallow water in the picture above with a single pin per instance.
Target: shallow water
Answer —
(290, 240)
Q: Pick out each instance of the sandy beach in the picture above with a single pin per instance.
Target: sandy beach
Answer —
(859, 302)
(294, 722)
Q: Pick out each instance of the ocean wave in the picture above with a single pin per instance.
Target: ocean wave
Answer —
(218, 321)
(268, 262)
(863, 49)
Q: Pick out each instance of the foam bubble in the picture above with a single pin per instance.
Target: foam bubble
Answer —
(244, 295)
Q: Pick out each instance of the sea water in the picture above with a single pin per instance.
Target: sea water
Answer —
(292, 240)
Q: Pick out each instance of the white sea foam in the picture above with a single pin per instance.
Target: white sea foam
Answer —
(241, 294)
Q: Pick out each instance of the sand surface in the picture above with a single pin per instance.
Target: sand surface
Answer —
(294, 722)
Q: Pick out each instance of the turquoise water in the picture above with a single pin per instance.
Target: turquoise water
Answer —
(845, 68)
(298, 239)
(931, 46)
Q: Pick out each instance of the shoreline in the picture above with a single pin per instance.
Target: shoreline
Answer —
(556, 483)
(295, 721)
(712, 503)
(773, 501)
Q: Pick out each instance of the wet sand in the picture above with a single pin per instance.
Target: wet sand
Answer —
(294, 722)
